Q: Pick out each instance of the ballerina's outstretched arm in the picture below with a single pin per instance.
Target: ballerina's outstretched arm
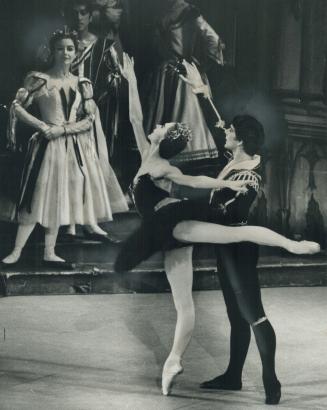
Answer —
(135, 108)
(205, 232)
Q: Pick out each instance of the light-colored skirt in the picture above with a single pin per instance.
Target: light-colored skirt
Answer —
(70, 189)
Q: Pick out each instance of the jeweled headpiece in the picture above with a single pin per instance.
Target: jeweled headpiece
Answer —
(175, 140)
(180, 130)
(58, 34)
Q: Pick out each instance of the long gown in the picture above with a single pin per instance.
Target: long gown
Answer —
(63, 181)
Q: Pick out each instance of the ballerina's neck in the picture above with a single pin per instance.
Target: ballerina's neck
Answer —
(150, 162)
(153, 153)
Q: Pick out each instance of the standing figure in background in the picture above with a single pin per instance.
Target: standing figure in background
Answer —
(63, 182)
(78, 14)
(181, 34)
(98, 59)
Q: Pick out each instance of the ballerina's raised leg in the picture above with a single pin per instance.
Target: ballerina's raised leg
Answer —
(205, 232)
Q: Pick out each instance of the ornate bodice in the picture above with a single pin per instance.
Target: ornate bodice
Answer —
(74, 107)
(55, 106)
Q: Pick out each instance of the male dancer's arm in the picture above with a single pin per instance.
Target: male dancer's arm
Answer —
(211, 115)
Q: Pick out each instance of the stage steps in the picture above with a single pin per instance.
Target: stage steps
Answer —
(99, 277)
(94, 267)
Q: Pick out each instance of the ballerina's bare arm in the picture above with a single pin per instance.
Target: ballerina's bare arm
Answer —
(175, 175)
(135, 108)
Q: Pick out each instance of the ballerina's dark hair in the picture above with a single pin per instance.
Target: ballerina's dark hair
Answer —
(250, 131)
(175, 140)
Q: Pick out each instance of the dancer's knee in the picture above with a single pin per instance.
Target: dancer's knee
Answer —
(236, 318)
(259, 321)
(248, 309)
(183, 231)
(185, 306)
(185, 303)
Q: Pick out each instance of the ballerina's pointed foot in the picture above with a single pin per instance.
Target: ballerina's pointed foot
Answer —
(169, 375)
(304, 247)
(13, 257)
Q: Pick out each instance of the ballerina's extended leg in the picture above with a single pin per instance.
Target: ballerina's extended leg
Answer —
(204, 232)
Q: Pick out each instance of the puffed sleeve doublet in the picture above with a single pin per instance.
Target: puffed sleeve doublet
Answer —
(34, 86)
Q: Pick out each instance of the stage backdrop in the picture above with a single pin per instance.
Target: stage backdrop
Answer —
(275, 69)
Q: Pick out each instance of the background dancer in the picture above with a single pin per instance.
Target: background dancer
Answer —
(78, 14)
(99, 56)
(62, 181)
(181, 33)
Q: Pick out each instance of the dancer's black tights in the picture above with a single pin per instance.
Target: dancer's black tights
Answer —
(237, 272)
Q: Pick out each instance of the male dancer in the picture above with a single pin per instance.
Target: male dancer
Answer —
(236, 265)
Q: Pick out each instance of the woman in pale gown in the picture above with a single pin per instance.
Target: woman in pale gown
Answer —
(63, 182)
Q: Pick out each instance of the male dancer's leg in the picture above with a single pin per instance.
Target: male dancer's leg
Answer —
(240, 333)
(241, 289)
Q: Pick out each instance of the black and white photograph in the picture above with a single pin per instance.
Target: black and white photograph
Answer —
(163, 205)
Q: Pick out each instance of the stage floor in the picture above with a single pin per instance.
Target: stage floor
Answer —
(93, 352)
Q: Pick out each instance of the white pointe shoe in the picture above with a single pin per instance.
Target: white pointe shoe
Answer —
(168, 377)
(305, 247)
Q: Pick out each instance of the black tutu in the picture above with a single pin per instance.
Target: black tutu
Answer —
(156, 233)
